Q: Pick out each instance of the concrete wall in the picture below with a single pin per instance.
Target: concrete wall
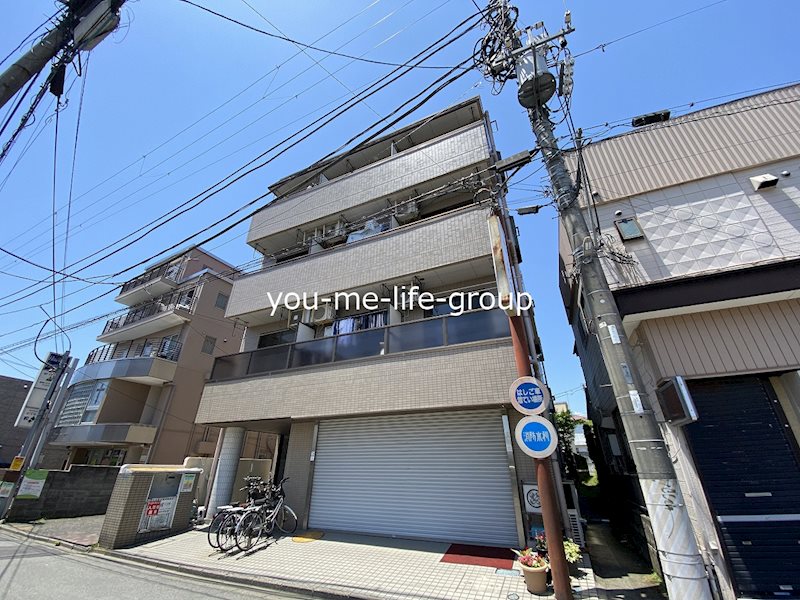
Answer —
(80, 491)
(124, 402)
(457, 150)
(452, 238)
(298, 468)
(12, 395)
(473, 374)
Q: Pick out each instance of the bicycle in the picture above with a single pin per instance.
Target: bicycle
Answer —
(260, 520)
(255, 490)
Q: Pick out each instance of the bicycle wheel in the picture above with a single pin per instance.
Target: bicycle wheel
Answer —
(226, 536)
(213, 528)
(286, 520)
(249, 530)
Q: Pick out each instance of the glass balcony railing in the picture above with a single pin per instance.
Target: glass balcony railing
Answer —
(166, 348)
(415, 335)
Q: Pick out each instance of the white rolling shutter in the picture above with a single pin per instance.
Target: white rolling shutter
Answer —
(437, 476)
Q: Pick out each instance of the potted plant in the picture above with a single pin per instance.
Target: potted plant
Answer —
(534, 569)
(572, 551)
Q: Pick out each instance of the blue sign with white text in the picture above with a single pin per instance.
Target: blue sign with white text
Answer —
(529, 395)
(536, 436)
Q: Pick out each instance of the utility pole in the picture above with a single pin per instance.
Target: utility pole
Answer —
(84, 24)
(39, 423)
(504, 57)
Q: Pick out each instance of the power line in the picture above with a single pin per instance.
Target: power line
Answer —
(191, 144)
(309, 46)
(342, 108)
(605, 45)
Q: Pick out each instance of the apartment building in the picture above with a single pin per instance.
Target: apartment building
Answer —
(393, 419)
(136, 397)
(699, 219)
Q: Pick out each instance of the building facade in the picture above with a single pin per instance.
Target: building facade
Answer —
(393, 419)
(698, 218)
(136, 397)
(12, 395)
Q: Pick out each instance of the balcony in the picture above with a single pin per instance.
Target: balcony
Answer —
(154, 282)
(162, 313)
(456, 247)
(151, 362)
(415, 335)
(104, 434)
(446, 155)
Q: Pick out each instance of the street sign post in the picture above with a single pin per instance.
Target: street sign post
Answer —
(536, 437)
(529, 396)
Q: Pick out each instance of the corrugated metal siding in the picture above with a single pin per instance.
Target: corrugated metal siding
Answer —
(759, 337)
(438, 477)
(733, 136)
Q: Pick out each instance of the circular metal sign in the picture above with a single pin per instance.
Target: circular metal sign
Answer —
(529, 396)
(536, 436)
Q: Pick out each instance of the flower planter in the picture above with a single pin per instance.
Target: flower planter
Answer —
(535, 579)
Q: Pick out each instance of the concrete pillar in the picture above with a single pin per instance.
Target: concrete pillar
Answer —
(225, 477)
(133, 455)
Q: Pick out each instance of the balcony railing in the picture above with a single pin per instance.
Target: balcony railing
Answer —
(415, 335)
(170, 271)
(165, 348)
(167, 302)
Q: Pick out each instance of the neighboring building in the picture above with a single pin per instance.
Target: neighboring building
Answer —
(12, 395)
(393, 422)
(135, 398)
(699, 217)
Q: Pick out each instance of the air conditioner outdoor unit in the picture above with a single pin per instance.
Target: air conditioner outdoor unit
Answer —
(295, 318)
(407, 211)
(334, 232)
(323, 314)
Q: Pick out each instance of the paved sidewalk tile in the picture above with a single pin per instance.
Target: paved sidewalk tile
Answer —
(356, 566)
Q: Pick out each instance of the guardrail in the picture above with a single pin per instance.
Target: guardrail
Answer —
(178, 299)
(156, 348)
(414, 335)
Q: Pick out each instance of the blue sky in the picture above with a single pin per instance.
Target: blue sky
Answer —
(141, 150)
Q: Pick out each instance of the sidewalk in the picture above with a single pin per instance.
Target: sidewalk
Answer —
(352, 566)
(335, 566)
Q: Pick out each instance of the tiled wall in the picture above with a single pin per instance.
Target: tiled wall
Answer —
(711, 224)
(452, 238)
(460, 149)
(468, 375)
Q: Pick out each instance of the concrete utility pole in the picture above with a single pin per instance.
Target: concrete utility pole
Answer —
(39, 424)
(682, 563)
(84, 25)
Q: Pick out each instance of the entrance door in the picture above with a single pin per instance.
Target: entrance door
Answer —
(437, 476)
(748, 462)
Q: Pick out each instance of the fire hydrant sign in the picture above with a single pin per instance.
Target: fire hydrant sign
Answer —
(536, 436)
(529, 396)
(152, 508)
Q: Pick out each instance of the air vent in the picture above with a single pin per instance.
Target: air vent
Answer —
(761, 182)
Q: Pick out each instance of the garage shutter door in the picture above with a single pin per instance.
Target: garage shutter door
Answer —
(438, 477)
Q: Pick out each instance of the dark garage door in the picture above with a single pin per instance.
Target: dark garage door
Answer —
(748, 462)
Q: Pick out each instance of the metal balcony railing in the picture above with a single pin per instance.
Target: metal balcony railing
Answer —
(177, 299)
(415, 335)
(166, 348)
(170, 271)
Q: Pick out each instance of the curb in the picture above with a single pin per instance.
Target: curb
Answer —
(217, 575)
(47, 540)
(174, 567)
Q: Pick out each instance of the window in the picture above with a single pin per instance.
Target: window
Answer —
(208, 345)
(222, 301)
(95, 400)
(357, 323)
(276, 338)
(629, 229)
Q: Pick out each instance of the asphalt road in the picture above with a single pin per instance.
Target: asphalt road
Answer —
(32, 570)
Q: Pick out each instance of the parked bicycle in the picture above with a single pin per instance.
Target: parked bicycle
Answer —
(259, 520)
(256, 490)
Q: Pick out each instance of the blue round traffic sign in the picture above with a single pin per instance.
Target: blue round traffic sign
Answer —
(529, 396)
(536, 437)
